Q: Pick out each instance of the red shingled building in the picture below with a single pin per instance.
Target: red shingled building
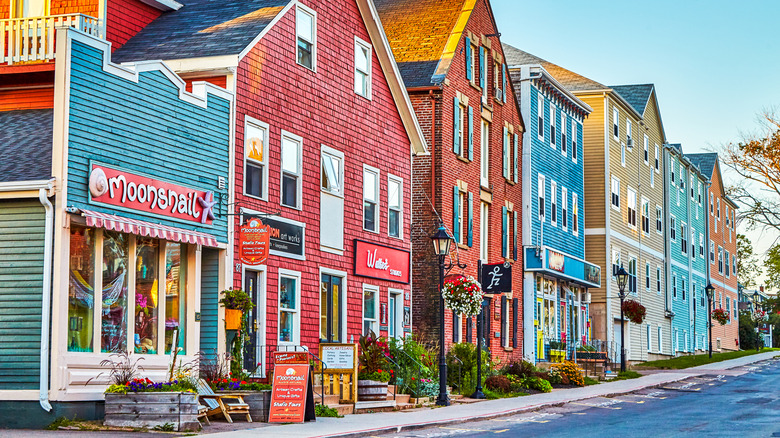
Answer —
(453, 65)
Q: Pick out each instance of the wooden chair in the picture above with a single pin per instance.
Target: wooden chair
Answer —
(215, 404)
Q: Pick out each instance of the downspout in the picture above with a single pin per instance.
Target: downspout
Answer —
(48, 243)
(433, 146)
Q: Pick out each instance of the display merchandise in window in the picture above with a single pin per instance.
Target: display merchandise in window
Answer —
(81, 292)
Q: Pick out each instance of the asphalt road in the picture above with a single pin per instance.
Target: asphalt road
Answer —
(746, 405)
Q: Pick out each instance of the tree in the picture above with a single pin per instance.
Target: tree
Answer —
(772, 266)
(747, 264)
(757, 162)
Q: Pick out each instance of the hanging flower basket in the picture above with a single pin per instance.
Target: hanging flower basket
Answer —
(634, 311)
(759, 316)
(233, 319)
(721, 316)
(463, 295)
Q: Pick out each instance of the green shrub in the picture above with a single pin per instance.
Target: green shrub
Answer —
(324, 411)
(554, 376)
(467, 354)
(498, 384)
(589, 381)
(535, 383)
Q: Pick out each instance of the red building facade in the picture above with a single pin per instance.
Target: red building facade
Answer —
(471, 181)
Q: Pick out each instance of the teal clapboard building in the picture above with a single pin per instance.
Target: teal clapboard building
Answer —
(557, 277)
(686, 251)
(114, 228)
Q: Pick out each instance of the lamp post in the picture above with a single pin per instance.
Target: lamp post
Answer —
(710, 292)
(441, 247)
(755, 309)
(622, 279)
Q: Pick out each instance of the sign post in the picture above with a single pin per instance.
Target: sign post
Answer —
(292, 396)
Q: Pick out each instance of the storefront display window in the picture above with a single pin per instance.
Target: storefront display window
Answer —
(288, 308)
(114, 310)
(330, 308)
(147, 260)
(175, 291)
(81, 292)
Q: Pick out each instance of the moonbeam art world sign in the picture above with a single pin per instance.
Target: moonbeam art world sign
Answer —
(131, 191)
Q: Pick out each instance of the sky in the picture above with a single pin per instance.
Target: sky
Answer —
(715, 64)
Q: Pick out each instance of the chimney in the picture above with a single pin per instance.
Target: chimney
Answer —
(761, 288)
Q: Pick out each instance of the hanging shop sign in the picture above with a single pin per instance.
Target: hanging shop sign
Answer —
(555, 261)
(286, 237)
(292, 397)
(254, 242)
(496, 278)
(382, 262)
(130, 191)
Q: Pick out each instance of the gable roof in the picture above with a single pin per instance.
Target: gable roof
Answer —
(201, 29)
(419, 32)
(572, 81)
(636, 95)
(26, 145)
(705, 162)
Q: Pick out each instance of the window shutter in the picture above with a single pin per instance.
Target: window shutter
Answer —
(454, 326)
(468, 59)
(503, 83)
(487, 329)
(456, 126)
(469, 329)
(514, 321)
(514, 175)
(503, 319)
(471, 134)
(456, 214)
(514, 223)
(504, 231)
(482, 78)
(471, 220)
(505, 160)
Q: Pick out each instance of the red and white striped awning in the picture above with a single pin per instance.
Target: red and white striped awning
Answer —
(141, 228)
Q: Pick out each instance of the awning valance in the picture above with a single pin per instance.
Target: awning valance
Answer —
(141, 228)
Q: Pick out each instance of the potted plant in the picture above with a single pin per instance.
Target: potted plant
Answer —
(140, 402)
(236, 302)
(557, 351)
(374, 371)
(634, 311)
(215, 370)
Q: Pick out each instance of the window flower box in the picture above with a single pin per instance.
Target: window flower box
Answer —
(150, 409)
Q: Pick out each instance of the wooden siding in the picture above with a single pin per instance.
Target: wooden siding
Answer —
(209, 297)
(24, 99)
(593, 161)
(21, 280)
(219, 81)
(144, 127)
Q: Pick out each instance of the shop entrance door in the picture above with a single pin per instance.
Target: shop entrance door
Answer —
(331, 308)
(254, 349)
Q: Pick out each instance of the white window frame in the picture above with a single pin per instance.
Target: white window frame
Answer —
(553, 134)
(629, 207)
(339, 156)
(399, 316)
(296, 313)
(683, 238)
(647, 150)
(574, 134)
(553, 203)
(635, 260)
(564, 209)
(463, 220)
(616, 262)
(299, 8)
(649, 341)
(615, 180)
(457, 328)
(657, 160)
(672, 228)
(343, 298)
(360, 44)
(564, 137)
(615, 123)
(720, 260)
(701, 245)
(658, 279)
(484, 227)
(575, 214)
(264, 127)
(659, 219)
(629, 145)
(299, 183)
(377, 191)
(484, 155)
(647, 276)
(392, 179)
(375, 324)
(540, 116)
(622, 154)
(540, 199)
(644, 215)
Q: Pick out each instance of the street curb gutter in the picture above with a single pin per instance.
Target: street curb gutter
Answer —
(492, 415)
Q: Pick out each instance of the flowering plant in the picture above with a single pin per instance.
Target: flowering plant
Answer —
(377, 376)
(721, 316)
(634, 311)
(463, 295)
(759, 315)
(147, 385)
(234, 384)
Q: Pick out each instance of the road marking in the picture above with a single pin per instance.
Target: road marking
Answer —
(602, 406)
(473, 430)
(531, 419)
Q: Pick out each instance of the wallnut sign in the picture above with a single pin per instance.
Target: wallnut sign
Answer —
(135, 192)
(383, 262)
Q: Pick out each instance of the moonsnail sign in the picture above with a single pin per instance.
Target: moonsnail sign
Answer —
(254, 242)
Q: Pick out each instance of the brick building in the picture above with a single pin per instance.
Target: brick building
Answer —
(324, 136)
(452, 63)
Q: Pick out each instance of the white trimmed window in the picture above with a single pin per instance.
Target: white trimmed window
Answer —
(370, 309)
(683, 238)
(484, 157)
(332, 175)
(647, 149)
(484, 212)
(674, 285)
(657, 160)
(616, 263)
(395, 206)
(575, 214)
(574, 135)
(659, 220)
(540, 116)
(727, 265)
(362, 68)
(701, 245)
(553, 203)
(255, 158)
(306, 36)
(629, 139)
(720, 260)
(658, 280)
(631, 216)
(623, 154)
(647, 277)
(645, 216)
(712, 252)
(553, 134)
(615, 193)
(370, 198)
(564, 208)
(632, 274)
(564, 139)
(615, 123)
(541, 189)
(673, 228)
(291, 170)
(289, 307)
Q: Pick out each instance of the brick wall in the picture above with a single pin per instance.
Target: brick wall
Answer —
(322, 108)
(448, 170)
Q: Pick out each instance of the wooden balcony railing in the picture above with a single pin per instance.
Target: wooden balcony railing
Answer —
(32, 39)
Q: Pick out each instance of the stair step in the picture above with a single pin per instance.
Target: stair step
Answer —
(343, 409)
(399, 398)
(330, 399)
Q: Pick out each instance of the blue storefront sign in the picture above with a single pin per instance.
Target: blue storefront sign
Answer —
(563, 266)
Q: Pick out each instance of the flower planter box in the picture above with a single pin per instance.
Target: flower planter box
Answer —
(233, 319)
(150, 409)
(259, 403)
(372, 390)
(557, 355)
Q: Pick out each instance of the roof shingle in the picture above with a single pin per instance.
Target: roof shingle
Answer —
(705, 162)
(636, 95)
(201, 28)
(25, 144)
(572, 81)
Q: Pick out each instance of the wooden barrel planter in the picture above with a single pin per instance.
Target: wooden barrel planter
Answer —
(372, 390)
(150, 409)
(259, 403)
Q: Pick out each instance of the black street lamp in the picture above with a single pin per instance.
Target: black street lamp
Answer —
(710, 289)
(622, 280)
(755, 309)
(441, 246)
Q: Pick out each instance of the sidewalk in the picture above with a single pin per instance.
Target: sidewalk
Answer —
(368, 424)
